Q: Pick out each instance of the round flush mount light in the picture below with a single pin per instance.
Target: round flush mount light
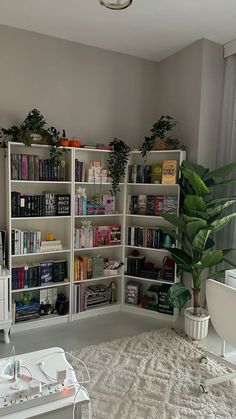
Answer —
(116, 5)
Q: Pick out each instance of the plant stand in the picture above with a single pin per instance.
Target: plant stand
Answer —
(196, 327)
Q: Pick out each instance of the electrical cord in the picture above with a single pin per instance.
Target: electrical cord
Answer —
(79, 382)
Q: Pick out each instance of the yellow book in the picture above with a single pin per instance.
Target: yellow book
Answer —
(156, 173)
(169, 172)
(76, 270)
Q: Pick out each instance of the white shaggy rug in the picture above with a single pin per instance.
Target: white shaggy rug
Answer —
(154, 375)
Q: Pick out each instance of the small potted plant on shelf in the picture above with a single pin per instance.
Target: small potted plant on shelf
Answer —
(117, 162)
(162, 136)
(201, 216)
(33, 130)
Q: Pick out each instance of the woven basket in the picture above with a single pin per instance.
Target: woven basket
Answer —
(163, 144)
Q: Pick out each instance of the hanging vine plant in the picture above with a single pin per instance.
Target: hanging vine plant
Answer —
(117, 162)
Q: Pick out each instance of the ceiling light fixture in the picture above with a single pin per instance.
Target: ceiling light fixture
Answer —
(116, 5)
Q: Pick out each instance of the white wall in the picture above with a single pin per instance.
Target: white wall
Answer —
(92, 93)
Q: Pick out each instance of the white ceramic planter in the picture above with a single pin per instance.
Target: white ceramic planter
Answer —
(196, 327)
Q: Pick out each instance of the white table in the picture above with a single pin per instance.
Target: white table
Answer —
(54, 358)
(5, 315)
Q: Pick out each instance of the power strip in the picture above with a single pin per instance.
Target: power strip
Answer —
(21, 400)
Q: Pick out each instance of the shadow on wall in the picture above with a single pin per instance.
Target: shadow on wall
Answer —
(2, 191)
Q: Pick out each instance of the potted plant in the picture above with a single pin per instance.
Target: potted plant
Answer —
(117, 162)
(33, 130)
(201, 216)
(161, 137)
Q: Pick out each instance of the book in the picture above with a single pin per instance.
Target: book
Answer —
(109, 202)
(142, 204)
(46, 272)
(169, 172)
(156, 172)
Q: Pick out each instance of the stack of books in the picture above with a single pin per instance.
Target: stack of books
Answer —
(50, 245)
(46, 204)
(96, 296)
(28, 167)
(134, 264)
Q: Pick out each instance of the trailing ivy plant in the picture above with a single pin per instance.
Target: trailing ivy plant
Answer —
(117, 163)
(34, 123)
(164, 125)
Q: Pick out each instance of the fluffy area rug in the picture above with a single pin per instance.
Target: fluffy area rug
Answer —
(154, 375)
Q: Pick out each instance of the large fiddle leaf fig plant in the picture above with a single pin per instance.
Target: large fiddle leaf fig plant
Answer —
(201, 216)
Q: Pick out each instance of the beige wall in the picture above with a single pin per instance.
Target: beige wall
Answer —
(93, 93)
(190, 88)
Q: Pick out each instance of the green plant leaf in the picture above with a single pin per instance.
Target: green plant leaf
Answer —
(196, 182)
(200, 240)
(209, 244)
(178, 295)
(214, 212)
(219, 274)
(226, 182)
(219, 224)
(175, 220)
(193, 205)
(200, 170)
(211, 259)
(219, 201)
(193, 227)
(223, 170)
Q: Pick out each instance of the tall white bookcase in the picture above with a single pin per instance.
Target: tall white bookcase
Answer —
(63, 228)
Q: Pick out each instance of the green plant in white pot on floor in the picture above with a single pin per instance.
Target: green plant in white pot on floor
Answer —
(201, 216)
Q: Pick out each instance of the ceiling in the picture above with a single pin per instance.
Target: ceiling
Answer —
(151, 29)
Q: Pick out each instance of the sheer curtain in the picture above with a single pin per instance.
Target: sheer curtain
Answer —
(226, 152)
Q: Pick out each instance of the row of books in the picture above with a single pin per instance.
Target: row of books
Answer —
(45, 204)
(30, 167)
(94, 296)
(84, 206)
(154, 298)
(24, 242)
(152, 205)
(148, 237)
(43, 273)
(95, 236)
(164, 172)
(88, 267)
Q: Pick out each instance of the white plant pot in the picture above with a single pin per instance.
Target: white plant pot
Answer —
(196, 327)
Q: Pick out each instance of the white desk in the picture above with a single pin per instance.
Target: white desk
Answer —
(59, 409)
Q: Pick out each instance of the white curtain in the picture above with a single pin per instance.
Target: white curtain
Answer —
(226, 152)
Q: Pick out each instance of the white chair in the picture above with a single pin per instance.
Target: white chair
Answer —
(221, 302)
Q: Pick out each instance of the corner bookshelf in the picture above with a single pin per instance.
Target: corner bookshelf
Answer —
(153, 254)
(63, 227)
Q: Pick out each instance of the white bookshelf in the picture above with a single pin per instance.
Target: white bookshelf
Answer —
(63, 228)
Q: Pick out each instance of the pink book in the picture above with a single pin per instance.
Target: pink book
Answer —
(24, 167)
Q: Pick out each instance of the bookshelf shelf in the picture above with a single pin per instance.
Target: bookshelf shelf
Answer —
(47, 320)
(101, 278)
(115, 246)
(41, 253)
(39, 182)
(52, 217)
(147, 248)
(99, 215)
(155, 281)
(63, 227)
(52, 285)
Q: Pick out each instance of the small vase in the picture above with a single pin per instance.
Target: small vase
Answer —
(196, 327)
